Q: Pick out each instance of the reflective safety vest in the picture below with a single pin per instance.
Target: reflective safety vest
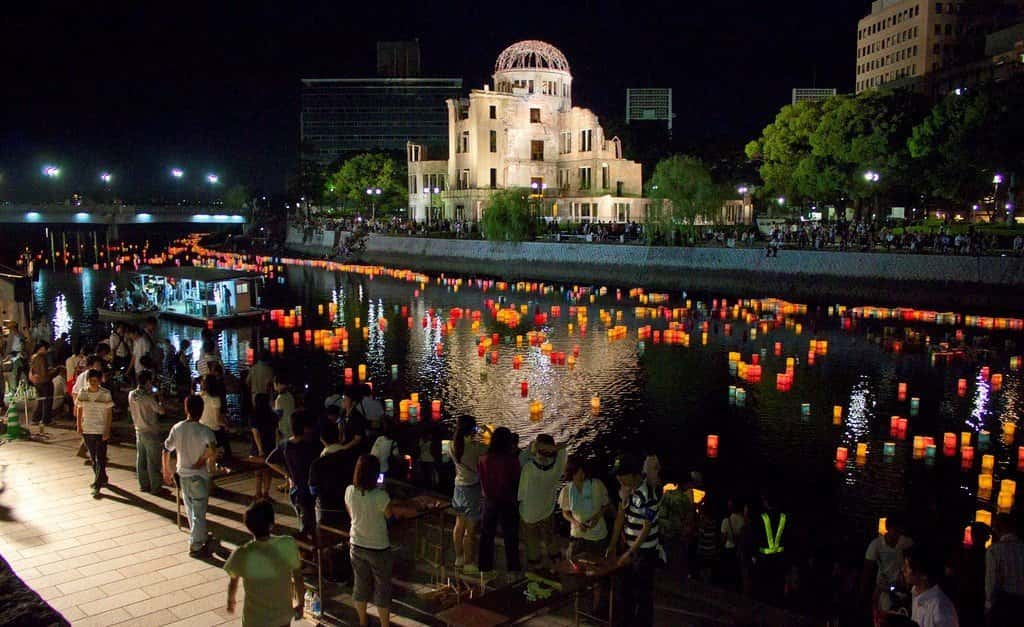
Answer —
(774, 541)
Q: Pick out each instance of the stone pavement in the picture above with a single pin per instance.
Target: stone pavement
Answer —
(119, 560)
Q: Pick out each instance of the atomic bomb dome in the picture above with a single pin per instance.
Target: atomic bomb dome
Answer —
(523, 132)
(531, 55)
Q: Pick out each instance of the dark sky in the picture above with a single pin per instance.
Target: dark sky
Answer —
(137, 87)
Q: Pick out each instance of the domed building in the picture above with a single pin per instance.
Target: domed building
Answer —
(523, 131)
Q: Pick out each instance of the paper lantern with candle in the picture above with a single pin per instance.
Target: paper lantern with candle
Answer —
(889, 449)
(837, 414)
(842, 454)
(961, 387)
(985, 482)
(348, 376)
(915, 405)
(988, 463)
(901, 392)
(712, 446)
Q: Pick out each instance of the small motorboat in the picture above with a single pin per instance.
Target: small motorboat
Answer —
(126, 315)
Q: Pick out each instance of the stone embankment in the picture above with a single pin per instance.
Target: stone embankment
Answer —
(946, 282)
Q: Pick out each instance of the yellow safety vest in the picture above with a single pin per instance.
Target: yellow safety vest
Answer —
(774, 540)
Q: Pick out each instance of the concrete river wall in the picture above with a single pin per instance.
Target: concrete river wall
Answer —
(946, 282)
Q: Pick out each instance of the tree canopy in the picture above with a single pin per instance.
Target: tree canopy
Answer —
(507, 216)
(236, 198)
(347, 185)
(683, 190)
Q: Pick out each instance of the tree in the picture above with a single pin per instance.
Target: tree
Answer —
(966, 139)
(508, 217)
(236, 198)
(784, 149)
(348, 184)
(682, 190)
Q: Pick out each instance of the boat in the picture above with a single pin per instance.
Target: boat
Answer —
(126, 316)
(201, 295)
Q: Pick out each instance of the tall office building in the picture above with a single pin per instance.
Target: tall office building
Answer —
(811, 94)
(904, 41)
(342, 116)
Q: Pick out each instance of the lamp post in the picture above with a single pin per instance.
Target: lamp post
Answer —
(430, 191)
(373, 192)
(177, 174)
(997, 180)
(107, 177)
(212, 179)
(872, 178)
(52, 172)
(538, 191)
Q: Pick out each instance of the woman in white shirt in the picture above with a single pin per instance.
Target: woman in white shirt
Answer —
(369, 507)
(584, 503)
(466, 498)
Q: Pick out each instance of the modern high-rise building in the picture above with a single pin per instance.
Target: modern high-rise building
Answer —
(902, 42)
(342, 116)
(811, 94)
(523, 131)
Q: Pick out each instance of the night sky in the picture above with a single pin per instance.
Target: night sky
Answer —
(138, 87)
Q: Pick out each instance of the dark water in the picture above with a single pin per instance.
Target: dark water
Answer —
(664, 398)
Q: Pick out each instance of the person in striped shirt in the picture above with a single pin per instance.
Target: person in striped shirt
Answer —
(636, 529)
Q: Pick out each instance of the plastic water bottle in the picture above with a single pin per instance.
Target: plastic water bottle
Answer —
(315, 606)
(308, 601)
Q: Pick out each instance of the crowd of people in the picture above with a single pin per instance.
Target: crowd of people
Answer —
(331, 451)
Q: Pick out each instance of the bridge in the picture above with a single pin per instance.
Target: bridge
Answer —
(114, 215)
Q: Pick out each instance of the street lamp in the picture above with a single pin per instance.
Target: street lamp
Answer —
(372, 192)
(742, 190)
(52, 172)
(106, 177)
(212, 179)
(177, 174)
(873, 177)
(430, 191)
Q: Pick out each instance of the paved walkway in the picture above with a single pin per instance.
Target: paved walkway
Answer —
(115, 561)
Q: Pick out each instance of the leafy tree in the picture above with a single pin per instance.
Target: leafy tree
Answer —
(682, 190)
(784, 147)
(348, 184)
(508, 216)
(966, 139)
(236, 198)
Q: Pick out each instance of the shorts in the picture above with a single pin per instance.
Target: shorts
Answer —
(594, 549)
(466, 501)
(371, 569)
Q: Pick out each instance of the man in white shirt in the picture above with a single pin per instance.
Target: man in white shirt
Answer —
(141, 346)
(930, 606)
(120, 348)
(94, 412)
(146, 411)
(538, 484)
(883, 562)
(196, 448)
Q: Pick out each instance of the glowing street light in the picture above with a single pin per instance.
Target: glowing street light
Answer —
(177, 173)
(51, 171)
(871, 177)
(372, 192)
(997, 179)
(430, 191)
(212, 179)
(742, 190)
(781, 200)
(107, 177)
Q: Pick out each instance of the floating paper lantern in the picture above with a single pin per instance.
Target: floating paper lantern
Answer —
(985, 373)
(862, 450)
(997, 382)
(536, 410)
(394, 372)
(435, 409)
(901, 393)
(362, 372)
(295, 338)
(984, 482)
(712, 446)
(881, 526)
(988, 463)
(983, 516)
(595, 404)
(889, 449)
(524, 388)
(837, 414)
(965, 438)
(915, 405)
(966, 456)
(348, 376)
(948, 444)
(403, 410)
(414, 399)
(389, 407)
(984, 440)
(842, 453)
(929, 451)
(961, 387)
(1004, 502)
(741, 397)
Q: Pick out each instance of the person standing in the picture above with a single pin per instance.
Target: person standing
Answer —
(120, 347)
(146, 410)
(354, 424)
(883, 562)
(636, 527)
(369, 507)
(770, 563)
(270, 568)
(94, 415)
(293, 458)
(261, 377)
(385, 448)
(499, 471)
(196, 448)
(465, 452)
(584, 503)
(922, 569)
(40, 374)
(1004, 573)
(263, 425)
(541, 474)
(142, 346)
(732, 531)
(284, 405)
(213, 413)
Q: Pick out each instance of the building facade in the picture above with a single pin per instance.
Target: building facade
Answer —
(343, 116)
(524, 132)
(928, 45)
(811, 94)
